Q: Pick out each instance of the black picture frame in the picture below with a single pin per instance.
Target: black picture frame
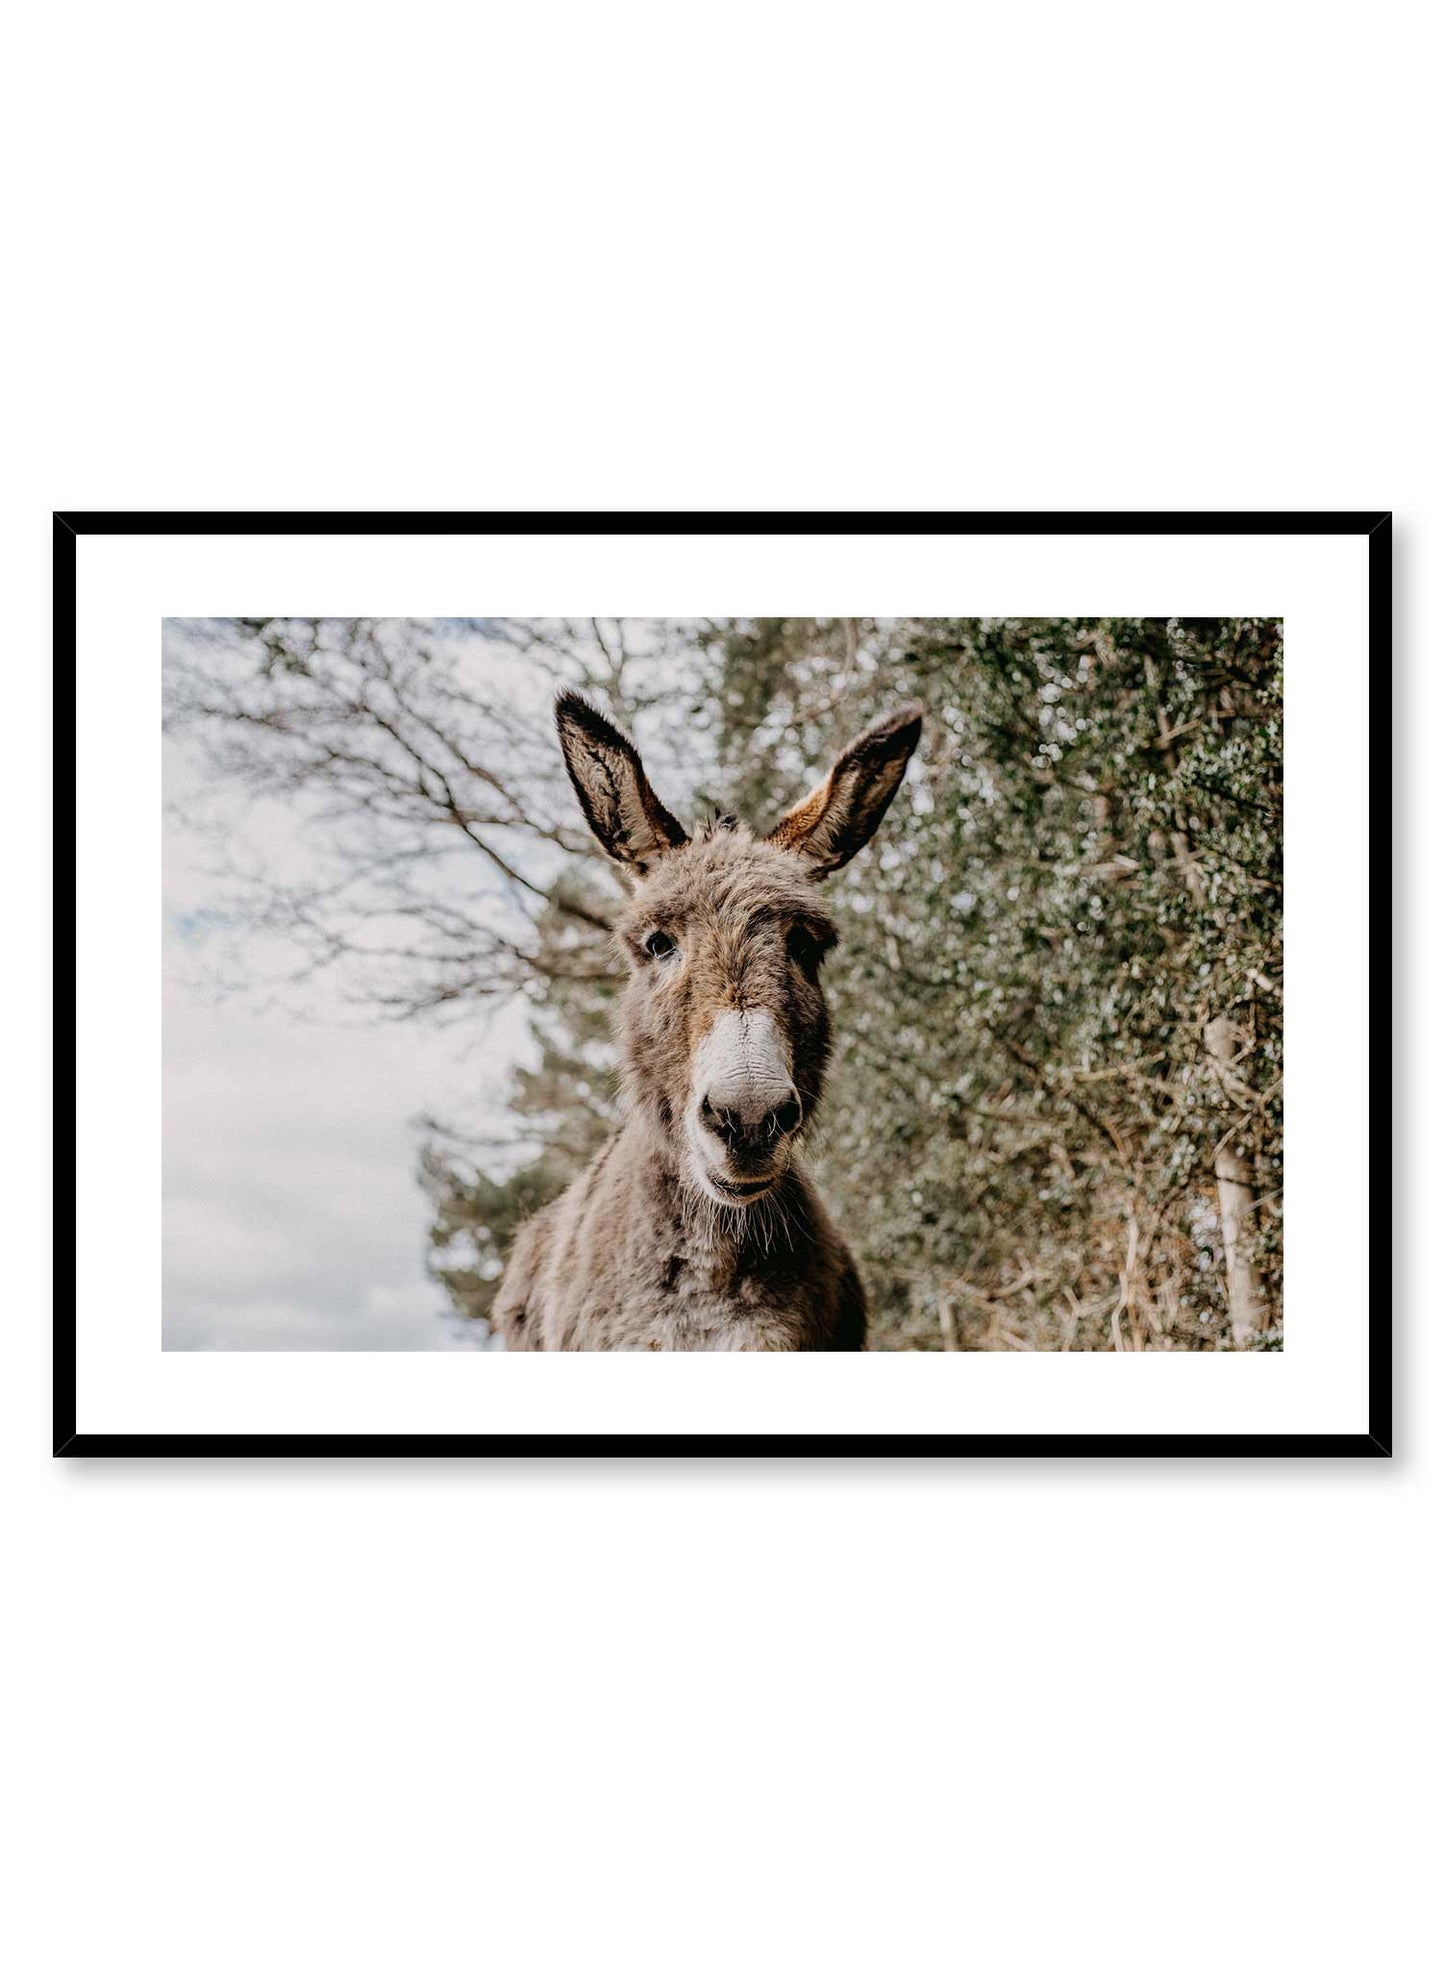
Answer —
(1376, 1441)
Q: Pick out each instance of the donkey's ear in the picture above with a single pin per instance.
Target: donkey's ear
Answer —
(621, 808)
(833, 823)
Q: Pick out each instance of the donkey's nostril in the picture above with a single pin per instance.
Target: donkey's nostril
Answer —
(785, 1119)
(722, 1121)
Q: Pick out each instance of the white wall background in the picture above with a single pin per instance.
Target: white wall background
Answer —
(782, 255)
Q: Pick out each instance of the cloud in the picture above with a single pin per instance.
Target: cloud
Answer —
(291, 1213)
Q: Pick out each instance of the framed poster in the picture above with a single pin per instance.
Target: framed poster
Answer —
(590, 942)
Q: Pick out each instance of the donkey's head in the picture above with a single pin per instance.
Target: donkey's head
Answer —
(723, 1022)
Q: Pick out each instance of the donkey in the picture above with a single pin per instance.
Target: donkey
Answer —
(696, 1226)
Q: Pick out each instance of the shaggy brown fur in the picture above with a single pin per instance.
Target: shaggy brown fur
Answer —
(696, 1227)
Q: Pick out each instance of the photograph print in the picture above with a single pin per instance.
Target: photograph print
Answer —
(728, 985)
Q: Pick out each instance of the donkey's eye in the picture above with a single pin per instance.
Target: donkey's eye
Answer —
(659, 944)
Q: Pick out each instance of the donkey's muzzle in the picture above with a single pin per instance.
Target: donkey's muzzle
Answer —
(745, 1104)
